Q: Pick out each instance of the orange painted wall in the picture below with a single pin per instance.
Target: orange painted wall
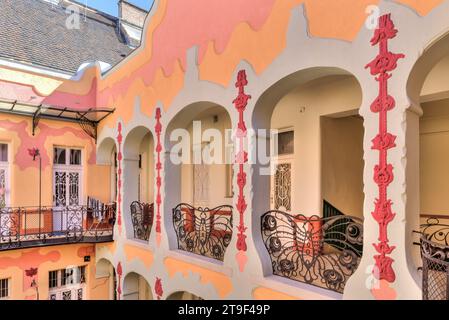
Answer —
(221, 282)
(14, 263)
(24, 173)
(153, 77)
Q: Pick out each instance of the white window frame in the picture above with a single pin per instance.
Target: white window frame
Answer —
(288, 158)
(69, 168)
(59, 289)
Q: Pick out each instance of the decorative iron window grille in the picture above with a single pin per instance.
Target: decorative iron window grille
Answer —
(142, 215)
(203, 231)
(34, 226)
(435, 258)
(324, 252)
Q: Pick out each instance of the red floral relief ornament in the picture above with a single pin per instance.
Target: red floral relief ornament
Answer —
(158, 288)
(240, 104)
(31, 272)
(380, 67)
(119, 285)
(119, 176)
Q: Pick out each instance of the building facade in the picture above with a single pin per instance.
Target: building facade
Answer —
(166, 161)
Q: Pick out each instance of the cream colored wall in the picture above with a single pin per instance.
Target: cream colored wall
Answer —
(183, 295)
(302, 110)
(434, 155)
(144, 289)
(342, 164)
(217, 172)
(147, 171)
(436, 85)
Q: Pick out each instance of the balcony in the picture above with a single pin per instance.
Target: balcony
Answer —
(142, 215)
(435, 258)
(203, 231)
(25, 227)
(323, 252)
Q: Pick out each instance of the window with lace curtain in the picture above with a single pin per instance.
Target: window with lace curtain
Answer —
(4, 175)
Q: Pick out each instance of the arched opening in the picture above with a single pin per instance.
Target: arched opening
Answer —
(428, 88)
(138, 181)
(105, 270)
(310, 202)
(107, 157)
(135, 287)
(199, 171)
(183, 295)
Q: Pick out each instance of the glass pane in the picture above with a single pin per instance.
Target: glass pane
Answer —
(3, 152)
(59, 156)
(6, 105)
(286, 142)
(81, 274)
(25, 108)
(3, 188)
(53, 279)
(74, 188)
(4, 288)
(67, 277)
(75, 157)
(60, 189)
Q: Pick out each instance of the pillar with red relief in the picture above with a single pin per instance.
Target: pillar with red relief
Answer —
(119, 177)
(385, 271)
(240, 104)
(158, 130)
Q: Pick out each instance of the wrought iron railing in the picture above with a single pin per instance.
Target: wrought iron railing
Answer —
(142, 219)
(337, 237)
(324, 252)
(203, 231)
(435, 258)
(33, 226)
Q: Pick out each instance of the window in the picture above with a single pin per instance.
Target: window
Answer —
(286, 142)
(229, 161)
(67, 277)
(67, 177)
(53, 279)
(82, 275)
(75, 157)
(67, 284)
(59, 156)
(67, 156)
(4, 175)
(3, 152)
(4, 288)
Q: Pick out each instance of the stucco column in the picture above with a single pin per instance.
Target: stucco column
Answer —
(391, 207)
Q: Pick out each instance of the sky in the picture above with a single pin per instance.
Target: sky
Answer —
(110, 6)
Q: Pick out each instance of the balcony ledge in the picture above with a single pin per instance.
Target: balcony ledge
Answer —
(200, 261)
(297, 289)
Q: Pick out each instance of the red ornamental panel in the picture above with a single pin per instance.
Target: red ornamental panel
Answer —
(158, 288)
(242, 156)
(119, 176)
(381, 67)
(158, 130)
(119, 285)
